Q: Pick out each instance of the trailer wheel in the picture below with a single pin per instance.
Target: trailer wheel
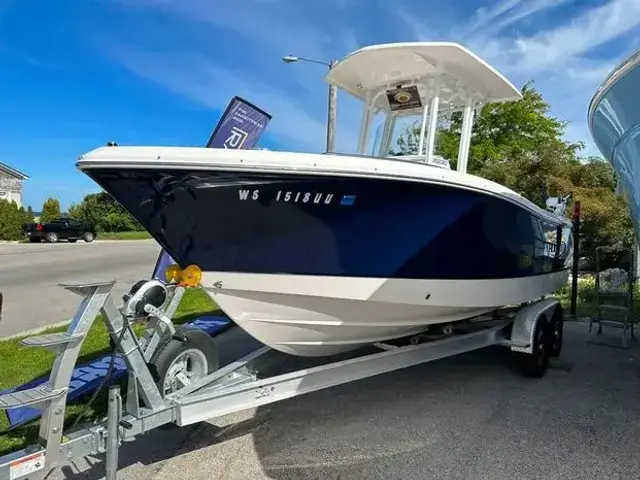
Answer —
(535, 364)
(557, 332)
(51, 237)
(183, 358)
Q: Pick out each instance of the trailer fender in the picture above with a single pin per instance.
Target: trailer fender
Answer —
(525, 321)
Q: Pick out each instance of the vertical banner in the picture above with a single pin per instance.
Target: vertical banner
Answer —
(240, 127)
(164, 260)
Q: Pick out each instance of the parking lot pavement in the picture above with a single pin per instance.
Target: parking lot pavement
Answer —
(468, 417)
(30, 272)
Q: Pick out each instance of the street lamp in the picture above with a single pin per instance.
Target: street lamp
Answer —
(331, 113)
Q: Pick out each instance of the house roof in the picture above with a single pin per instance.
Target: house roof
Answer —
(13, 172)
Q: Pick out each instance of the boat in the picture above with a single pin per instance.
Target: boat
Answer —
(614, 122)
(315, 254)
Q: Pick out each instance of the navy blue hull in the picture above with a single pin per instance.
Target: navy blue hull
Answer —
(352, 227)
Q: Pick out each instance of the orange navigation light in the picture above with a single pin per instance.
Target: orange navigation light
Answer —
(173, 273)
(191, 276)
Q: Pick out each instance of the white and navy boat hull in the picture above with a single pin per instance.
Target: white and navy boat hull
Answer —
(313, 316)
(317, 262)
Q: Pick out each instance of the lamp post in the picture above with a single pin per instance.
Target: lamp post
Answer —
(331, 113)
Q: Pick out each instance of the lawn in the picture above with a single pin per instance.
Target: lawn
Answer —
(586, 304)
(21, 364)
(142, 235)
(137, 235)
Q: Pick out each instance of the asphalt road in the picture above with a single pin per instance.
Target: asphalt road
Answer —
(470, 417)
(29, 274)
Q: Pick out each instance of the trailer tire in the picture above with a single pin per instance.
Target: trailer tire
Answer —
(190, 351)
(51, 237)
(536, 363)
(557, 332)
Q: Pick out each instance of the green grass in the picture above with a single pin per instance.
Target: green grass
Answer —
(20, 364)
(584, 307)
(123, 235)
(586, 302)
(143, 235)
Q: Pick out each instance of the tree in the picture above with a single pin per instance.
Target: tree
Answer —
(29, 217)
(507, 137)
(104, 213)
(50, 210)
(606, 218)
(10, 221)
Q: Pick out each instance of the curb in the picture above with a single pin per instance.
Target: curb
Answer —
(35, 331)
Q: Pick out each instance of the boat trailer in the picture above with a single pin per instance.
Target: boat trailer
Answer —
(162, 390)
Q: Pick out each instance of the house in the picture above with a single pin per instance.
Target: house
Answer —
(11, 183)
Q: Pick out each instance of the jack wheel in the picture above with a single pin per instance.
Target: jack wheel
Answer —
(183, 359)
(536, 363)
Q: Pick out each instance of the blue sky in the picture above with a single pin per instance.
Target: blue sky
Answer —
(78, 73)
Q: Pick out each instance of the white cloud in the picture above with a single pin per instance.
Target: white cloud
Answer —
(593, 28)
(522, 11)
(588, 72)
(485, 16)
(488, 22)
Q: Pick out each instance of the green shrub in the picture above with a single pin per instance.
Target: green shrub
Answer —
(50, 210)
(105, 214)
(11, 220)
(586, 293)
(117, 222)
(29, 217)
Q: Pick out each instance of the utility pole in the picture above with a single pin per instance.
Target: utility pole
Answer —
(333, 99)
(331, 118)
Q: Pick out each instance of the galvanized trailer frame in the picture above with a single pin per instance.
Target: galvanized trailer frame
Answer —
(233, 388)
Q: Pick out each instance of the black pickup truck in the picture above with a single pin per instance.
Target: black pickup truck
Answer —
(59, 229)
